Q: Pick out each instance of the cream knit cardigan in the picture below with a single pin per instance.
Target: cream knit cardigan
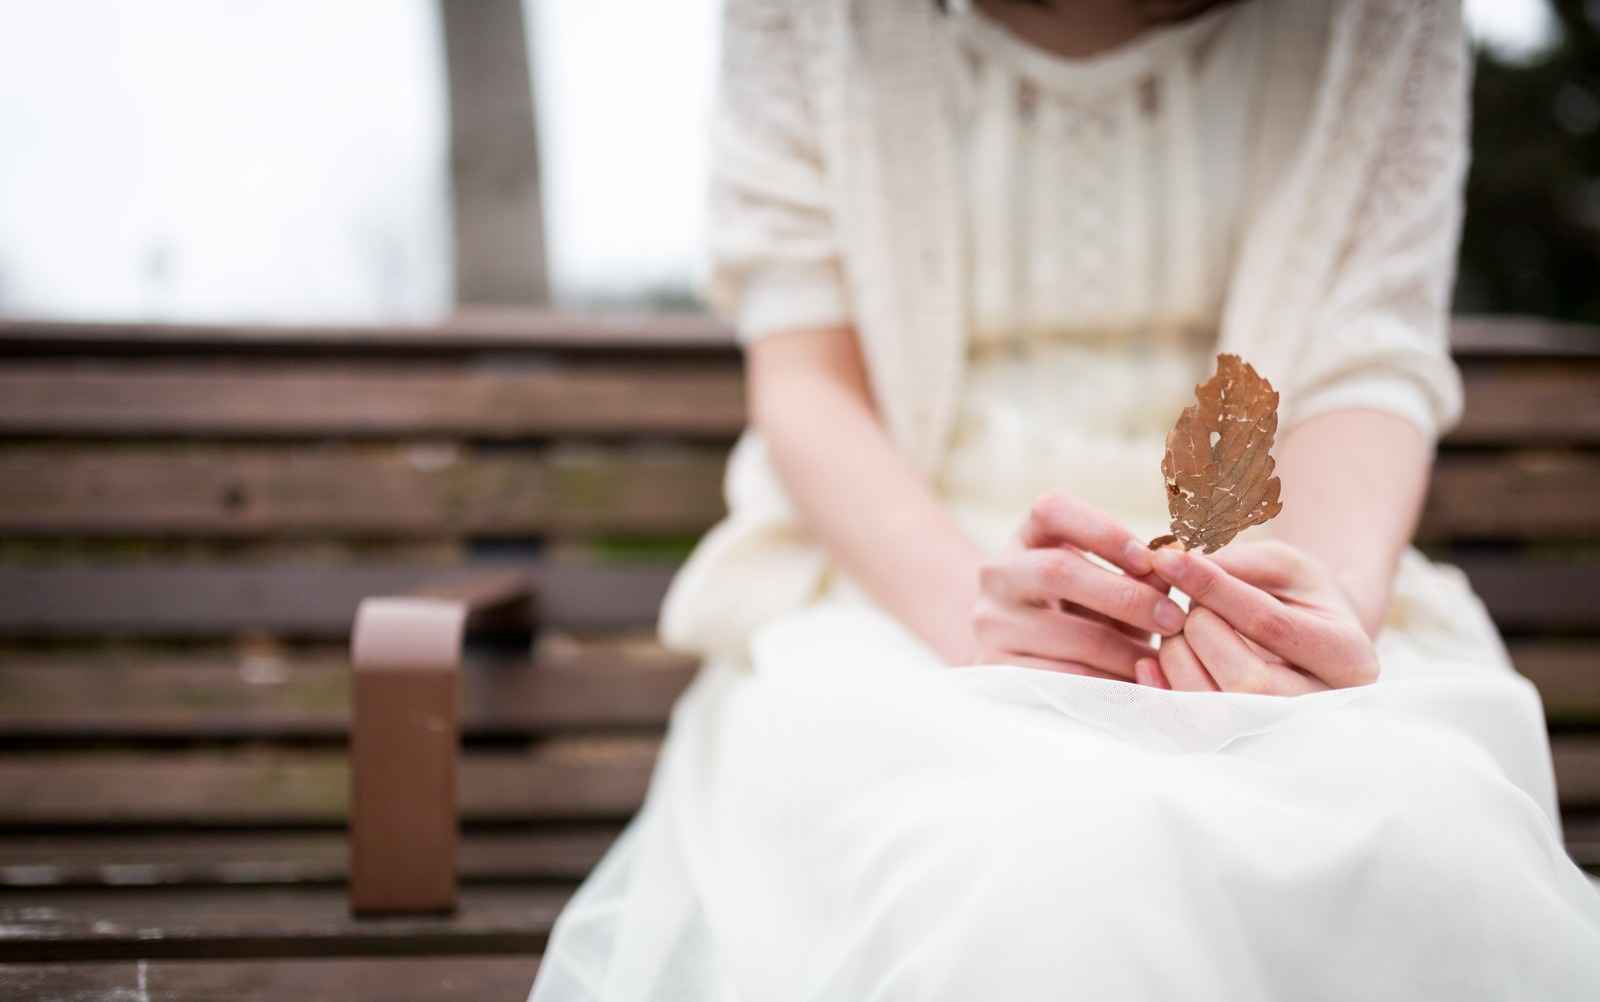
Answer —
(835, 195)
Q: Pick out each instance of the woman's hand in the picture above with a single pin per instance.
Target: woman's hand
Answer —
(1043, 603)
(1265, 618)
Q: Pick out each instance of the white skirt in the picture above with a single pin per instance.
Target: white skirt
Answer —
(842, 819)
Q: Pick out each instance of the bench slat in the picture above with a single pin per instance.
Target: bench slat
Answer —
(1525, 495)
(615, 335)
(1487, 335)
(318, 599)
(109, 858)
(1529, 403)
(1567, 674)
(426, 491)
(1533, 592)
(293, 787)
(569, 686)
(368, 979)
(1577, 763)
(214, 491)
(301, 598)
(477, 329)
(274, 399)
(1508, 403)
(565, 779)
(211, 923)
(200, 859)
(306, 695)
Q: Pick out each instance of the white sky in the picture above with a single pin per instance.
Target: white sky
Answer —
(1514, 30)
(287, 161)
(624, 90)
(201, 160)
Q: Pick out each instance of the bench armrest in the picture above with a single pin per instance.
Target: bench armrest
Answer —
(406, 653)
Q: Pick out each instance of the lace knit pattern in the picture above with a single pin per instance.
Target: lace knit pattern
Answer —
(836, 200)
(1102, 194)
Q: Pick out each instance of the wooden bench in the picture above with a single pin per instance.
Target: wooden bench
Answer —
(190, 517)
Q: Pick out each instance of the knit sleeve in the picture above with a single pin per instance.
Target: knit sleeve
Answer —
(1381, 330)
(774, 253)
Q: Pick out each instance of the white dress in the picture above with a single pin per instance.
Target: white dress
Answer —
(838, 817)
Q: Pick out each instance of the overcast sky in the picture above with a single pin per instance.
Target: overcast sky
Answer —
(287, 161)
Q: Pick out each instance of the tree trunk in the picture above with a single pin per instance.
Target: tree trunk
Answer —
(494, 161)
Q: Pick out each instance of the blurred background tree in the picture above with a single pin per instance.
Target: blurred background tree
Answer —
(183, 160)
(1531, 242)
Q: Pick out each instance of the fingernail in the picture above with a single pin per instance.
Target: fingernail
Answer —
(1137, 557)
(1170, 565)
(1168, 616)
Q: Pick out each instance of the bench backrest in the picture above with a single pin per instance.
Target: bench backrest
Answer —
(190, 515)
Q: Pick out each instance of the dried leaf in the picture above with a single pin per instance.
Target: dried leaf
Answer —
(1219, 461)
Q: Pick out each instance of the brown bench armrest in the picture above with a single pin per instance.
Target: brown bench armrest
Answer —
(406, 655)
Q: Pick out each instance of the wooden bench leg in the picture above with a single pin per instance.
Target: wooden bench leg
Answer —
(404, 740)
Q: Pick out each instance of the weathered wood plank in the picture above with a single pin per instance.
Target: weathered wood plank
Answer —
(1532, 592)
(423, 490)
(275, 399)
(1519, 336)
(564, 779)
(370, 979)
(1583, 840)
(305, 695)
(476, 329)
(444, 489)
(312, 599)
(211, 923)
(611, 334)
(1508, 402)
(1529, 403)
(567, 686)
(1532, 494)
(111, 858)
(585, 780)
(1567, 674)
(318, 599)
(1577, 762)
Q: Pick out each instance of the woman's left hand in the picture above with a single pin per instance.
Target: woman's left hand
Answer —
(1265, 618)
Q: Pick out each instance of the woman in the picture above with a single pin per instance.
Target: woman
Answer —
(979, 258)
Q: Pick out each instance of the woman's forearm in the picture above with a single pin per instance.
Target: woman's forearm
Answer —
(1353, 487)
(855, 493)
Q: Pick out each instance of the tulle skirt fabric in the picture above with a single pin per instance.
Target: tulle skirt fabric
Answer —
(842, 819)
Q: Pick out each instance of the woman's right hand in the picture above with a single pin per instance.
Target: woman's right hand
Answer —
(1044, 604)
(1266, 619)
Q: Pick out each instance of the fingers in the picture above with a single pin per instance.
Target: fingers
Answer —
(1233, 666)
(1147, 671)
(1050, 664)
(1004, 631)
(1073, 609)
(1058, 519)
(1247, 608)
(1310, 634)
(1086, 642)
(1270, 565)
(1046, 577)
(1182, 669)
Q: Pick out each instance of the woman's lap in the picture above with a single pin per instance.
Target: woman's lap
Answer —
(906, 817)
(849, 821)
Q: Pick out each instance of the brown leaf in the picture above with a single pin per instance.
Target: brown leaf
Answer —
(1219, 461)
